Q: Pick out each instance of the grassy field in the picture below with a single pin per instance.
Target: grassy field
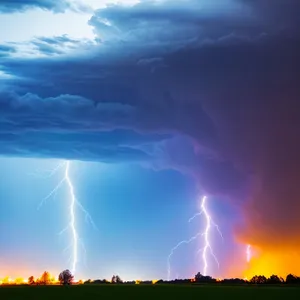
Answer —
(148, 292)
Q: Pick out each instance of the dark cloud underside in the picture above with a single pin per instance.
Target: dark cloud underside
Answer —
(10, 6)
(218, 85)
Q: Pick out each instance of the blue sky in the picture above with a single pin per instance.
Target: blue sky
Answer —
(139, 214)
(155, 104)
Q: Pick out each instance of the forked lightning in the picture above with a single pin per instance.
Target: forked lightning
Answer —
(72, 213)
(207, 245)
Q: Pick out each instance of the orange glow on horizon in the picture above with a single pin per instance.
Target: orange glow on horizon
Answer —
(279, 262)
(20, 280)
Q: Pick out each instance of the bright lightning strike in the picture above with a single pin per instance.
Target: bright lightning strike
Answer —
(248, 253)
(72, 212)
(206, 237)
(207, 246)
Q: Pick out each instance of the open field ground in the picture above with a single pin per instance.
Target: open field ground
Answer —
(148, 292)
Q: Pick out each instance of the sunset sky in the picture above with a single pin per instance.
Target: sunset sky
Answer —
(155, 104)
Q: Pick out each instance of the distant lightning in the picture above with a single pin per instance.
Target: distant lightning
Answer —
(72, 211)
(207, 246)
(248, 253)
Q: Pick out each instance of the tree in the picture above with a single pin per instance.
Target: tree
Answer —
(31, 280)
(198, 277)
(113, 279)
(88, 281)
(201, 278)
(258, 279)
(45, 278)
(292, 279)
(274, 279)
(233, 281)
(65, 277)
(118, 279)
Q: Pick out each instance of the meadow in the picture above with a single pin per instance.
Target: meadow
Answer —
(148, 292)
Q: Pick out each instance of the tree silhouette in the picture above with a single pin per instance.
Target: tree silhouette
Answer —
(198, 277)
(292, 279)
(201, 278)
(233, 281)
(88, 281)
(258, 279)
(274, 279)
(45, 278)
(31, 280)
(116, 279)
(65, 277)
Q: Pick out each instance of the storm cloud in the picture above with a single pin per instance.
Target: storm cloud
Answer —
(11, 6)
(217, 85)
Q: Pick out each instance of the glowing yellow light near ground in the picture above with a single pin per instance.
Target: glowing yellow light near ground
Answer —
(154, 281)
(280, 262)
(19, 280)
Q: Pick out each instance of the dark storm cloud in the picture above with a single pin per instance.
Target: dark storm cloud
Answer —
(281, 15)
(30, 111)
(48, 46)
(225, 86)
(58, 40)
(172, 23)
(46, 49)
(215, 175)
(109, 147)
(12, 6)
(70, 127)
(6, 50)
(57, 45)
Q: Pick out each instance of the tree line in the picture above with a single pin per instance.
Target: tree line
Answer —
(199, 278)
(66, 278)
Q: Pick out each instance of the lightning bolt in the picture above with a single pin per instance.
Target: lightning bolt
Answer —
(207, 246)
(73, 221)
(72, 226)
(248, 253)
(177, 246)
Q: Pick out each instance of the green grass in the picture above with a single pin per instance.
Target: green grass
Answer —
(155, 292)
